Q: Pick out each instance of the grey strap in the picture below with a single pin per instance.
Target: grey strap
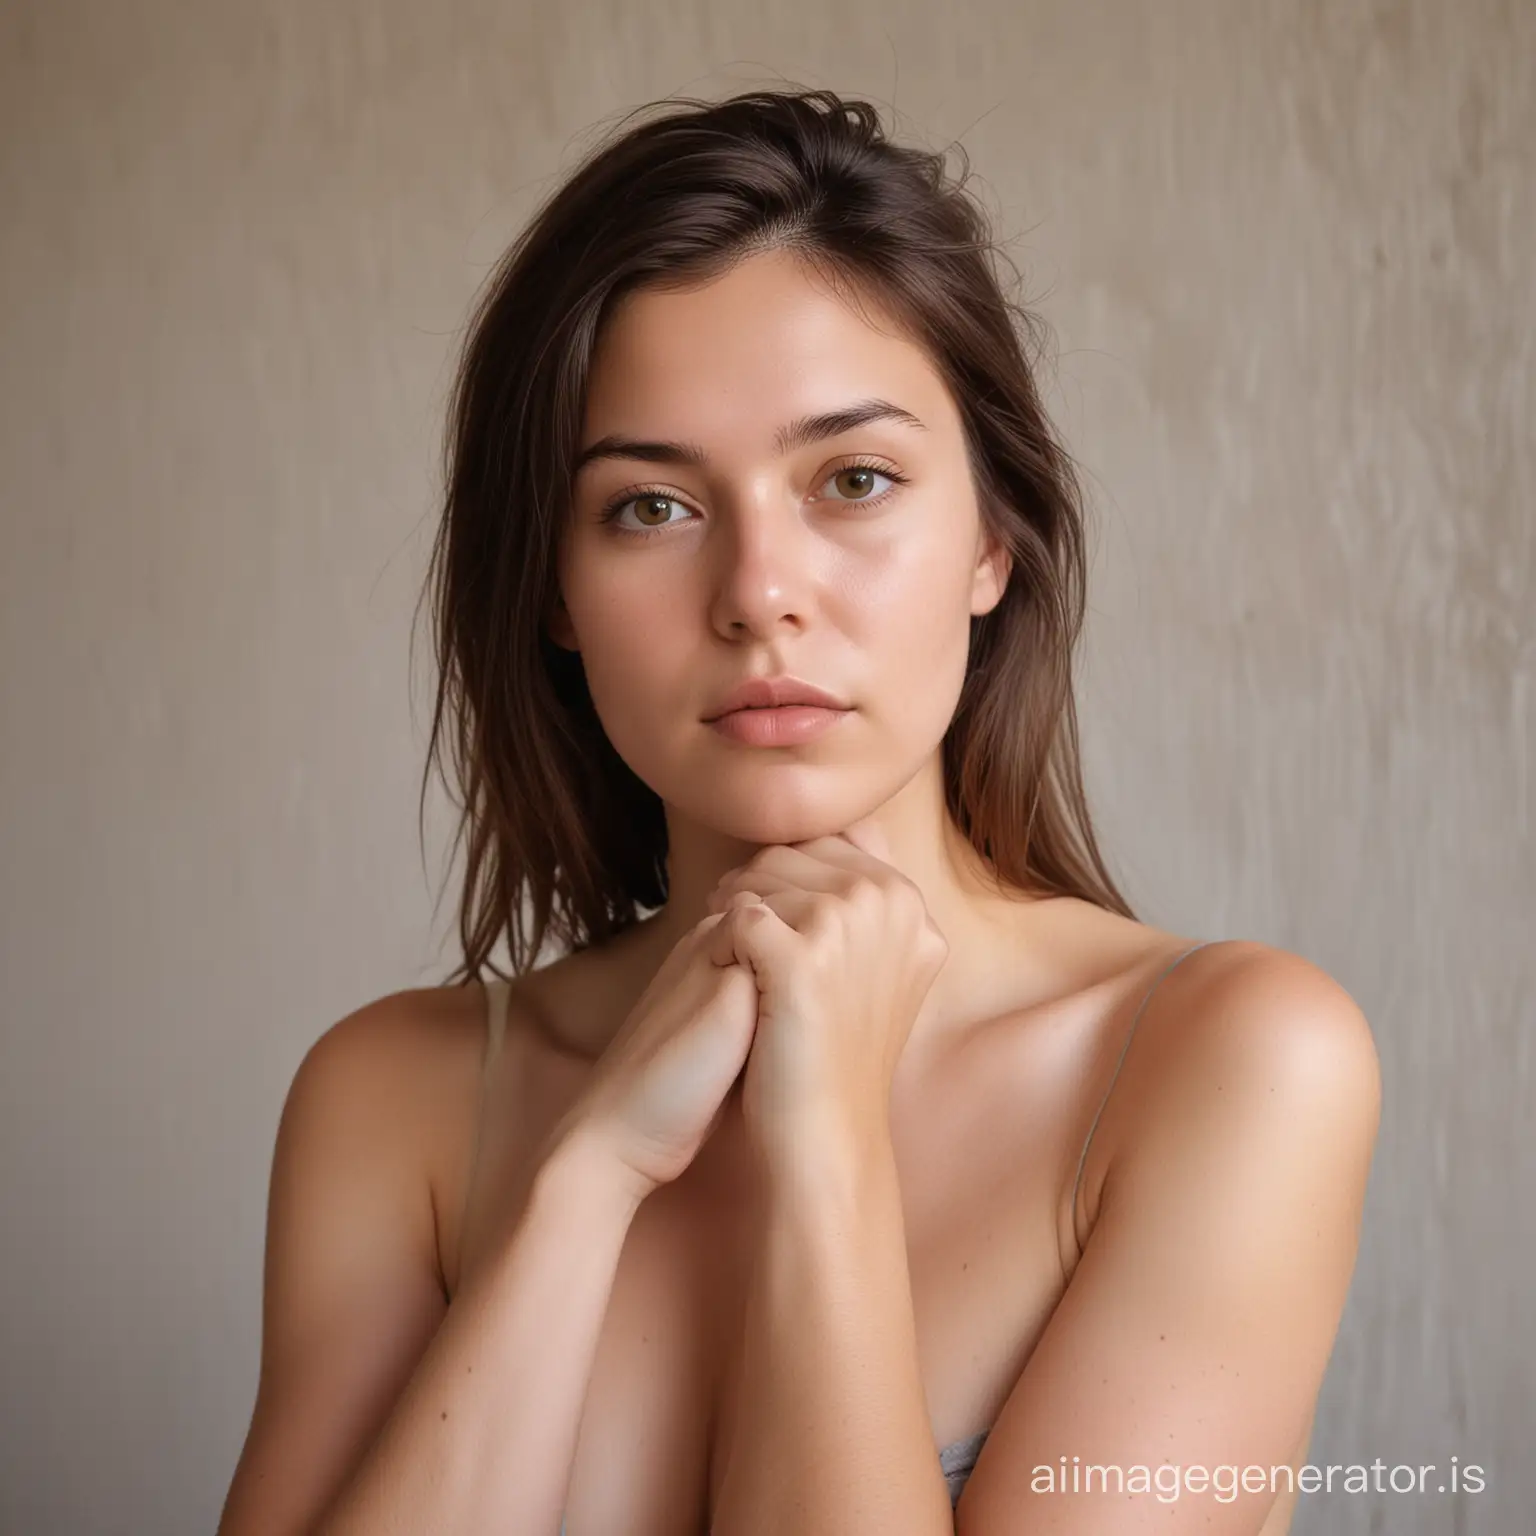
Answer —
(1129, 1034)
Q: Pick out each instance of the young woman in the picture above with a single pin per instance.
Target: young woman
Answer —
(863, 1147)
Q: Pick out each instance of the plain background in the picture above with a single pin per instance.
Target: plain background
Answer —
(1286, 252)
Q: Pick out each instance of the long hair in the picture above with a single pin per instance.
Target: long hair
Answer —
(549, 814)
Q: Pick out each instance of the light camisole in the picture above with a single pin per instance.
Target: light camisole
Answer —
(956, 1461)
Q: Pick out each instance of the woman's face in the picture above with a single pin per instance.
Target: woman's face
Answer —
(816, 561)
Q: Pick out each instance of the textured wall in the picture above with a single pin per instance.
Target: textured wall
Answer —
(1286, 249)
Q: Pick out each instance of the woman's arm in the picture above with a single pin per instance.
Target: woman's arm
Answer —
(1184, 1360)
(832, 1434)
(380, 1408)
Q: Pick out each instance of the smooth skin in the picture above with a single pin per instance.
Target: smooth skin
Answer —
(675, 1306)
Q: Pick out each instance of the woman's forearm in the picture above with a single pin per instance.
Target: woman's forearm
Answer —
(484, 1433)
(833, 1432)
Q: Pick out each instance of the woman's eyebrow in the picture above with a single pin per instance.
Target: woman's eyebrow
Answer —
(803, 430)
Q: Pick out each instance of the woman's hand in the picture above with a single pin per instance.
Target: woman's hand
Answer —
(658, 1089)
(842, 952)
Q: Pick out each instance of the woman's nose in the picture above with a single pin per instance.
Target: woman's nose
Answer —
(762, 578)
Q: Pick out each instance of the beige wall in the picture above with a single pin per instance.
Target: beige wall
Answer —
(1287, 252)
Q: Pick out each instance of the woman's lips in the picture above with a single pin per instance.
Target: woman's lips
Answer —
(787, 725)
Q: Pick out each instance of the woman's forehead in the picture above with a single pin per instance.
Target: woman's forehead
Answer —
(764, 310)
(759, 351)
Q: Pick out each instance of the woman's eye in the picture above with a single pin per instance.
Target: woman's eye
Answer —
(860, 477)
(650, 511)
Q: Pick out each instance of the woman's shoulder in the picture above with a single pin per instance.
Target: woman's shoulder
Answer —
(1190, 999)
(400, 1077)
(1237, 1032)
(408, 1046)
(1245, 1001)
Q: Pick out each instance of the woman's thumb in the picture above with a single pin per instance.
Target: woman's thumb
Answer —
(746, 935)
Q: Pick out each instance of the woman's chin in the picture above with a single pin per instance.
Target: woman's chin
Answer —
(788, 827)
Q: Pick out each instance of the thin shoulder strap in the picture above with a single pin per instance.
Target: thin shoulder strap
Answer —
(1082, 1157)
(496, 992)
(495, 1033)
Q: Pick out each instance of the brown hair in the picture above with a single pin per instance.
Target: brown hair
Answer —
(548, 810)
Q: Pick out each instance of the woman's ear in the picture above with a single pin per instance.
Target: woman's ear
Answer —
(559, 626)
(994, 565)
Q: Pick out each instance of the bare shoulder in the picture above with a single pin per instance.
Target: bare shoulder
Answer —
(353, 1285)
(1222, 1235)
(1257, 1009)
(1240, 1031)
(405, 1050)
(410, 1062)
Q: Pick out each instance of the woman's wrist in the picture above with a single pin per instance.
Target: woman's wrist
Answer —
(576, 1167)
